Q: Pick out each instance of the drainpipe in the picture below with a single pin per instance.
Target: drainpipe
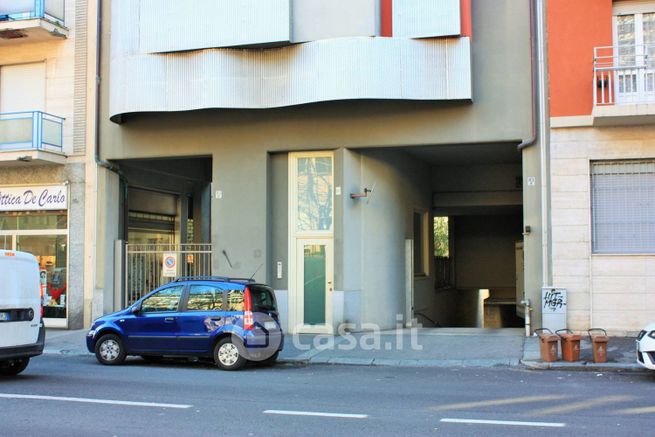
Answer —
(540, 132)
(535, 79)
(98, 160)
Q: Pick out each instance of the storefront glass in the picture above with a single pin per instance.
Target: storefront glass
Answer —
(43, 234)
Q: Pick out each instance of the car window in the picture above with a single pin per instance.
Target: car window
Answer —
(235, 300)
(166, 300)
(262, 298)
(205, 298)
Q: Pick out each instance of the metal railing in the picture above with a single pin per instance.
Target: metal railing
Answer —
(34, 130)
(624, 75)
(144, 266)
(52, 10)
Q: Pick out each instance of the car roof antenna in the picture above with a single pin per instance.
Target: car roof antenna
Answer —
(253, 275)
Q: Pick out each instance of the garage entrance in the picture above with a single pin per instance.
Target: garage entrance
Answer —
(477, 221)
(166, 210)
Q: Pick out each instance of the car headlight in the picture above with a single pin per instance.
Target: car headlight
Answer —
(641, 335)
(651, 334)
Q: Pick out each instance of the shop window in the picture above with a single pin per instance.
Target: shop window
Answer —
(623, 206)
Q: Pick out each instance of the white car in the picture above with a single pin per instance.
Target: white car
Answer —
(646, 347)
(22, 334)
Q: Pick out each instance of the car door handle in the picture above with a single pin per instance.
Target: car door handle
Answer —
(169, 319)
(216, 319)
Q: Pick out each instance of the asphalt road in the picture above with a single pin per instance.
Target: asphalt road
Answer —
(75, 396)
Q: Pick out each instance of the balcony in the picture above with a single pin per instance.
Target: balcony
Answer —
(31, 21)
(31, 138)
(624, 85)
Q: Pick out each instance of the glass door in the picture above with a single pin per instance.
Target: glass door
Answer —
(315, 285)
(311, 233)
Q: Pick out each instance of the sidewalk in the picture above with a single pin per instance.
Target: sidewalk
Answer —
(423, 347)
(621, 356)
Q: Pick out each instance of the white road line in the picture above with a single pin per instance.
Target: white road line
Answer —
(506, 422)
(93, 401)
(313, 413)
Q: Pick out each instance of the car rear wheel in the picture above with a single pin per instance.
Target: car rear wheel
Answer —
(13, 367)
(110, 350)
(227, 355)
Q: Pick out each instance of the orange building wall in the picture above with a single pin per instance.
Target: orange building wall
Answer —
(574, 29)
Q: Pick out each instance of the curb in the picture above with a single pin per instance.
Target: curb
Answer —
(378, 362)
(583, 366)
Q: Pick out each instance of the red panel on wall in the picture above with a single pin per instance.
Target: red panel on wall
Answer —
(386, 17)
(574, 29)
(467, 22)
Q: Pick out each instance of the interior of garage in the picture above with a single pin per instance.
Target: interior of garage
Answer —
(477, 212)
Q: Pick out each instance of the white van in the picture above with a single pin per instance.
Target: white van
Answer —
(22, 333)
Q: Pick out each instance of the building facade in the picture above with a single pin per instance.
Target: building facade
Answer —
(603, 160)
(311, 144)
(44, 146)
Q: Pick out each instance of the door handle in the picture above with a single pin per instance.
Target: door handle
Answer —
(169, 319)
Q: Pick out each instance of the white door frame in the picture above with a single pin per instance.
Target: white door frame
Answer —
(295, 239)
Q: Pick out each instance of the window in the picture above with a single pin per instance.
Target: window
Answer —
(166, 300)
(205, 298)
(235, 300)
(634, 35)
(262, 298)
(623, 206)
(314, 186)
(420, 220)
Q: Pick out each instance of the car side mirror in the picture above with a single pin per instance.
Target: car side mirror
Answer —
(136, 309)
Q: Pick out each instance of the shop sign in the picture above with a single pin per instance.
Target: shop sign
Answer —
(169, 265)
(41, 198)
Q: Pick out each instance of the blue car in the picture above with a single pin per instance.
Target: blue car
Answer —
(230, 321)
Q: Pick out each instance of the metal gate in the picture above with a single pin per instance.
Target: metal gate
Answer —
(144, 270)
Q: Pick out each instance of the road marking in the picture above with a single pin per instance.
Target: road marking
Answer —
(506, 422)
(641, 410)
(314, 413)
(496, 402)
(93, 401)
(582, 405)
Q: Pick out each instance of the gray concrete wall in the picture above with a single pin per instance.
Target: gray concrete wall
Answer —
(247, 225)
(401, 185)
(500, 111)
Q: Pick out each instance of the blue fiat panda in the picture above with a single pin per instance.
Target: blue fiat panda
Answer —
(231, 321)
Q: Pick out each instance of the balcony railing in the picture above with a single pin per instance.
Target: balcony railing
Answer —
(624, 75)
(31, 131)
(13, 10)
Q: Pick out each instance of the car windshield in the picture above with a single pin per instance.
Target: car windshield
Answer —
(262, 298)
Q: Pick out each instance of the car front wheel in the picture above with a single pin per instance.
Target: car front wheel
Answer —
(110, 350)
(227, 355)
(13, 367)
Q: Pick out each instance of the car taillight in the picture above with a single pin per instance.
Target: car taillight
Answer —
(248, 322)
